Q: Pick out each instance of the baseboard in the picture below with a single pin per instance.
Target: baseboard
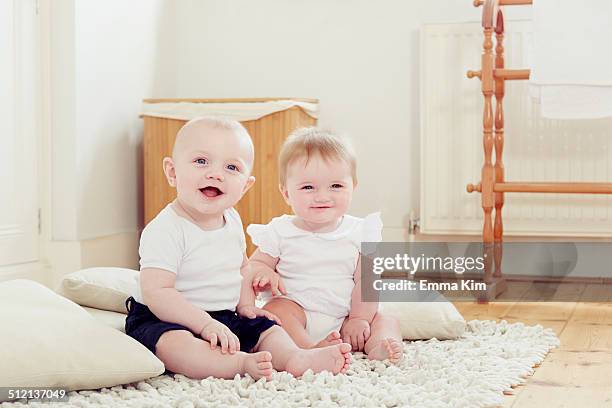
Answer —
(36, 271)
(119, 250)
(63, 257)
(395, 234)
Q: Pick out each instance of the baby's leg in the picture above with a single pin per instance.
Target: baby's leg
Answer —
(185, 354)
(287, 356)
(385, 340)
(294, 322)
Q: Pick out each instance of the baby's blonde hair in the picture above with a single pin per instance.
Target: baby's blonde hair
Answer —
(311, 141)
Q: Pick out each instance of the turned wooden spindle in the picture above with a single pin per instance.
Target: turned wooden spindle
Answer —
(488, 173)
(478, 3)
(553, 187)
(493, 186)
(498, 229)
(471, 74)
(504, 74)
(512, 74)
(473, 187)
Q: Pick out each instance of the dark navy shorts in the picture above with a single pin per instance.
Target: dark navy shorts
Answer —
(144, 326)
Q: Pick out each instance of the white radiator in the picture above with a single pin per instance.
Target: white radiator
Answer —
(535, 149)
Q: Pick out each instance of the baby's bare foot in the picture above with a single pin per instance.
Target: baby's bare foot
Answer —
(331, 339)
(388, 348)
(258, 365)
(334, 358)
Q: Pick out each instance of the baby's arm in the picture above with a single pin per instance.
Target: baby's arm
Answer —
(162, 298)
(246, 305)
(360, 309)
(264, 273)
(356, 330)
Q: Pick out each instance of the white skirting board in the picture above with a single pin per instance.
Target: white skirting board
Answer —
(535, 149)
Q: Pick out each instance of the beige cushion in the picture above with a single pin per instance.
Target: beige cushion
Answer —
(107, 289)
(48, 340)
(426, 319)
(100, 288)
(111, 319)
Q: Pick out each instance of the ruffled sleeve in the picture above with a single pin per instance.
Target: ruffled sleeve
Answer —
(370, 231)
(265, 238)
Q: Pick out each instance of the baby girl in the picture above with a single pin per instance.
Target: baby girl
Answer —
(311, 261)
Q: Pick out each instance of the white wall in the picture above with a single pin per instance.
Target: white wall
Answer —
(60, 88)
(106, 57)
(117, 51)
(360, 58)
(103, 59)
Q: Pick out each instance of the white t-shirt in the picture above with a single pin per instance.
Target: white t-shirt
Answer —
(317, 268)
(206, 263)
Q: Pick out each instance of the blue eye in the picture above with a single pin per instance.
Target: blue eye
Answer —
(200, 161)
(336, 185)
(232, 167)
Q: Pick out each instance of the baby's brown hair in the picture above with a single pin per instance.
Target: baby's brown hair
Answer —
(311, 141)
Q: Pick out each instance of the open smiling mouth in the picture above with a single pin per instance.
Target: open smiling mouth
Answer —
(211, 192)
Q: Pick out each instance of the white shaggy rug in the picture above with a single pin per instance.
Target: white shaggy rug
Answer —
(473, 371)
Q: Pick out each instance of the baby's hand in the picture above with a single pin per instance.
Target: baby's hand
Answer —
(268, 279)
(356, 332)
(252, 312)
(215, 331)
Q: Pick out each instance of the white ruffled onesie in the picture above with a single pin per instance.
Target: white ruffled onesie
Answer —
(317, 268)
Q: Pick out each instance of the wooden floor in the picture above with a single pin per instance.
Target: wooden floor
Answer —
(579, 372)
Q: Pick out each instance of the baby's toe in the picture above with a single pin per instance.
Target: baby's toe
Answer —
(345, 348)
(395, 349)
(263, 356)
(264, 365)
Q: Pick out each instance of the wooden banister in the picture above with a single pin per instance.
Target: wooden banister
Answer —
(567, 188)
(478, 3)
(546, 187)
(512, 74)
(504, 74)
(472, 74)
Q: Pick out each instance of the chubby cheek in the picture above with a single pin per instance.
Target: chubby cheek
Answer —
(342, 202)
(233, 191)
(182, 188)
(233, 196)
(185, 181)
(303, 202)
(299, 203)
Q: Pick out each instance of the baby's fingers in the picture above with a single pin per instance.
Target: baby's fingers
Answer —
(354, 343)
(281, 286)
(212, 338)
(237, 342)
(274, 287)
(224, 342)
(272, 316)
(346, 339)
(360, 341)
(234, 345)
